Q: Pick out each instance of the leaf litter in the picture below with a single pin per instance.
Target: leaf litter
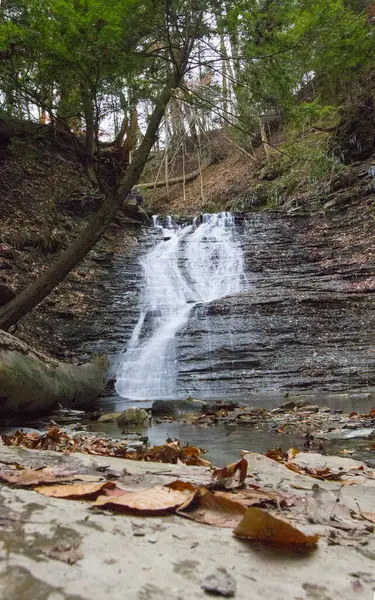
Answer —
(230, 500)
(59, 440)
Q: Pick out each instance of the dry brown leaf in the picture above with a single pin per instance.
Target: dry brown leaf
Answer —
(78, 491)
(197, 461)
(191, 451)
(31, 477)
(213, 509)
(59, 440)
(369, 516)
(259, 524)
(292, 453)
(158, 499)
(284, 458)
(277, 454)
(181, 486)
(226, 476)
(253, 497)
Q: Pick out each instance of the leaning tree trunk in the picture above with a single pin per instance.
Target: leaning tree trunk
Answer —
(32, 382)
(37, 291)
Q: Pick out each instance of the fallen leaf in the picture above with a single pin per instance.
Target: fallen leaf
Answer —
(191, 451)
(212, 509)
(369, 516)
(154, 500)
(88, 491)
(252, 497)
(59, 440)
(259, 524)
(292, 453)
(284, 458)
(181, 486)
(226, 477)
(277, 454)
(300, 487)
(31, 477)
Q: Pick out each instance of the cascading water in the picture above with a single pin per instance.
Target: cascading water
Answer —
(193, 264)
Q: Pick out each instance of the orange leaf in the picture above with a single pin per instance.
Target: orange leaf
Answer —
(229, 471)
(154, 500)
(191, 451)
(277, 454)
(77, 491)
(292, 453)
(369, 516)
(258, 524)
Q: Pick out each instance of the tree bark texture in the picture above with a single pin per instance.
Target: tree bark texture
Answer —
(31, 381)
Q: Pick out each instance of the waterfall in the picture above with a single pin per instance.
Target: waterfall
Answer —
(194, 264)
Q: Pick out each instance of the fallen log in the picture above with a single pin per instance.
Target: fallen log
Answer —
(33, 382)
(189, 177)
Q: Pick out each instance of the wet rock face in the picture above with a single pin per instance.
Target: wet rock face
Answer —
(306, 320)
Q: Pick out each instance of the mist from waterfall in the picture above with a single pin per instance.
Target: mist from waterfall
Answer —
(194, 264)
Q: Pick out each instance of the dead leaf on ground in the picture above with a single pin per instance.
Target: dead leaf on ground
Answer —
(258, 497)
(292, 453)
(159, 499)
(33, 477)
(369, 516)
(59, 440)
(213, 509)
(81, 491)
(259, 524)
(277, 454)
(324, 473)
(232, 475)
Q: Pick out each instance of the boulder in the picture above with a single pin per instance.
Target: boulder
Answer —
(173, 407)
(109, 417)
(347, 434)
(132, 416)
(33, 382)
(293, 404)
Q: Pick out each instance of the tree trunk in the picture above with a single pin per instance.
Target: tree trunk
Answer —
(31, 381)
(37, 291)
(224, 75)
(88, 109)
(263, 134)
(189, 177)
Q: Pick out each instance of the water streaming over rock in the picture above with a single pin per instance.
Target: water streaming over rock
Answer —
(194, 264)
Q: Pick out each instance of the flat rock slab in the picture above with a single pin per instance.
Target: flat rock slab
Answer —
(53, 549)
(348, 434)
(319, 461)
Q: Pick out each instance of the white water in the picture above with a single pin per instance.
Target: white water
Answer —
(194, 264)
